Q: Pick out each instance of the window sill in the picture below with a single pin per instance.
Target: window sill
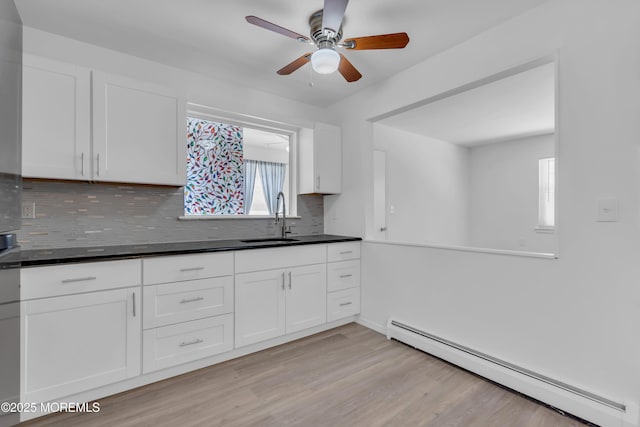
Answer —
(218, 217)
(544, 229)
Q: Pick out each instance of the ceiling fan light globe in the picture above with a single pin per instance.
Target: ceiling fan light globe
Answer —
(325, 61)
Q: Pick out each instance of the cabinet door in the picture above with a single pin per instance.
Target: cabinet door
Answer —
(139, 132)
(259, 306)
(9, 356)
(320, 160)
(306, 299)
(55, 120)
(78, 342)
(328, 158)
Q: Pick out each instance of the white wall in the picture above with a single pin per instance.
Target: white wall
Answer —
(427, 185)
(576, 318)
(503, 208)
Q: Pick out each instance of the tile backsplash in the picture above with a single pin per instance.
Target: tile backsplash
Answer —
(80, 214)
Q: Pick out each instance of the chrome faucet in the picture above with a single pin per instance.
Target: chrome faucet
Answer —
(283, 232)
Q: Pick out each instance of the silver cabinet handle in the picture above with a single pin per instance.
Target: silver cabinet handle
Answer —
(289, 280)
(283, 280)
(345, 304)
(98, 163)
(184, 301)
(79, 279)
(184, 270)
(346, 252)
(134, 304)
(196, 341)
(317, 182)
(344, 276)
(82, 164)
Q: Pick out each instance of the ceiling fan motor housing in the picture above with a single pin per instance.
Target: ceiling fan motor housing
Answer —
(321, 37)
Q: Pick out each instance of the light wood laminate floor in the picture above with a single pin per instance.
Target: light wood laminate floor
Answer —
(349, 376)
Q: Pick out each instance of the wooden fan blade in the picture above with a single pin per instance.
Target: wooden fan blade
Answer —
(382, 41)
(333, 14)
(275, 28)
(347, 70)
(291, 67)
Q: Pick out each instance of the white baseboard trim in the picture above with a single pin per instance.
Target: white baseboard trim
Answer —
(381, 329)
(566, 400)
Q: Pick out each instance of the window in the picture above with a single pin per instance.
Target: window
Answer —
(546, 193)
(235, 168)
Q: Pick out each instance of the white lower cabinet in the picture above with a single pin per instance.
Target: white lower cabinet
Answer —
(188, 309)
(305, 297)
(272, 303)
(181, 343)
(171, 303)
(343, 303)
(259, 306)
(74, 343)
(85, 326)
(343, 280)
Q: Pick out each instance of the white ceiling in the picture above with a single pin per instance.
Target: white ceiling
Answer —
(212, 37)
(516, 106)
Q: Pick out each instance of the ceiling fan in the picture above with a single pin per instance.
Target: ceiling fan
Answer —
(326, 35)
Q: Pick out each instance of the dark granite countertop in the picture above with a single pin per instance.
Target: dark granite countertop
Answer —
(38, 257)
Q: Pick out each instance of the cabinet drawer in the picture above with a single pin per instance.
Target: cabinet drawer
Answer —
(186, 267)
(343, 304)
(184, 342)
(282, 257)
(190, 300)
(343, 251)
(42, 282)
(343, 275)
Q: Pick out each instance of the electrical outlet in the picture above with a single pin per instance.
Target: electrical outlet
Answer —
(28, 210)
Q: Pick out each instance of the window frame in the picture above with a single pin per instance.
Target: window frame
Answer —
(203, 112)
(546, 191)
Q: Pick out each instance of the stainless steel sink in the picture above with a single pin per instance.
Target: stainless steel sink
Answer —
(270, 240)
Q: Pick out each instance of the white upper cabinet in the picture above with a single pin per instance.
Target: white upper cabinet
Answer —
(139, 131)
(56, 122)
(320, 160)
(89, 125)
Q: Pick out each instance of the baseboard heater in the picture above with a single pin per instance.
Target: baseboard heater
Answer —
(566, 397)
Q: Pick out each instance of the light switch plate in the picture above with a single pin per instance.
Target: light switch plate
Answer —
(607, 210)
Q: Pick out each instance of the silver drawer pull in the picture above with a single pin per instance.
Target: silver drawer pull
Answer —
(184, 270)
(345, 304)
(344, 276)
(184, 301)
(79, 279)
(185, 344)
(346, 252)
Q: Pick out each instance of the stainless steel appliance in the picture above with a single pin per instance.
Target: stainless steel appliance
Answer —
(10, 209)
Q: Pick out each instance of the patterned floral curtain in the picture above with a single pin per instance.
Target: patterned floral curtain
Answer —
(215, 181)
